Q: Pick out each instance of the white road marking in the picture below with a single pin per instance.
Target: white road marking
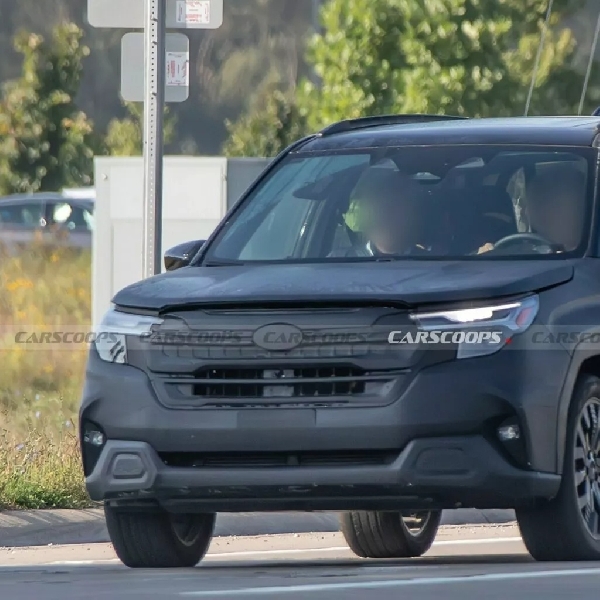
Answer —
(77, 563)
(345, 548)
(332, 587)
(289, 551)
(472, 541)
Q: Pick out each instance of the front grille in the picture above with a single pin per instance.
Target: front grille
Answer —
(277, 387)
(214, 359)
(267, 460)
(283, 382)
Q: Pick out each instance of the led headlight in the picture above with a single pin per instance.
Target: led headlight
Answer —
(112, 333)
(501, 321)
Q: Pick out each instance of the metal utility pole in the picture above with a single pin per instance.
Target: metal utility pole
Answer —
(154, 102)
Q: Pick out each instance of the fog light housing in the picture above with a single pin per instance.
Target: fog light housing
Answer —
(507, 433)
(511, 436)
(95, 438)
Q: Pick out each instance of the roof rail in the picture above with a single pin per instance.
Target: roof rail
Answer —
(365, 122)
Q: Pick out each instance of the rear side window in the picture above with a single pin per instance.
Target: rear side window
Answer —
(24, 215)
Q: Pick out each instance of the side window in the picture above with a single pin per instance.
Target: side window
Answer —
(24, 215)
(519, 182)
(275, 220)
(72, 217)
(276, 237)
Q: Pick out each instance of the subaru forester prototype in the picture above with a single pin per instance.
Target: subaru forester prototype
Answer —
(400, 316)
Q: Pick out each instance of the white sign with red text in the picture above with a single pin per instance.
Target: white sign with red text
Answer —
(178, 69)
(193, 12)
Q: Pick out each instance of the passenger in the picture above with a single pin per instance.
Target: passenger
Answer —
(556, 208)
(391, 215)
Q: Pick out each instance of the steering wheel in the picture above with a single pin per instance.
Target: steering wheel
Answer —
(517, 238)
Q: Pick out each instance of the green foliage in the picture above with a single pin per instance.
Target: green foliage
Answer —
(41, 470)
(46, 143)
(273, 123)
(125, 137)
(463, 57)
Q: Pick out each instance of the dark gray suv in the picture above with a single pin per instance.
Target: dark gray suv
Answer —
(400, 316)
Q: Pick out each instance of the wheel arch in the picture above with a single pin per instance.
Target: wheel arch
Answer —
(583, 362)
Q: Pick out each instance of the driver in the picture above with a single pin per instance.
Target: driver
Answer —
(390, 212)
(556, 208)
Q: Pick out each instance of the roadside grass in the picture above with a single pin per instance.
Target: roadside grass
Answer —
(42, 290)
(41, 471)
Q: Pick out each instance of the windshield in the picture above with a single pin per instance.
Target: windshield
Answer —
(437, 202)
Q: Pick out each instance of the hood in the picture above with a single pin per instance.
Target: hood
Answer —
(398, 283)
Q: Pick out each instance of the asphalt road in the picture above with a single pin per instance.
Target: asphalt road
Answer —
(465, 563)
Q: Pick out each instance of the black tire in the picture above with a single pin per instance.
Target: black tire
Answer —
(155, 540)
(557, 530)
(387, 535)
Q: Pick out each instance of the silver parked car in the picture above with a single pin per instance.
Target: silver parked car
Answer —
(50, 217)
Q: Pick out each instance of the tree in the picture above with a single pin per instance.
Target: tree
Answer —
(125, 137)
(46, 143)
(461, 57)
(273, 123)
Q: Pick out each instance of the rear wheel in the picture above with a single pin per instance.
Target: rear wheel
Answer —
(159, 540)
(403, 534)
(568, 527)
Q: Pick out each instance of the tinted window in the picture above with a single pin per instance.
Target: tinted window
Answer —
(274, 223)
(72, 217)
(27, 215)
(454, 202)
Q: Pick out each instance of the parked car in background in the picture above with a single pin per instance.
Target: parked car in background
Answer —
(84, 193)
(51, 217)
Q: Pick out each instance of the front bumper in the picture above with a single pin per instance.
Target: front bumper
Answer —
(428, 473)
(438, 438)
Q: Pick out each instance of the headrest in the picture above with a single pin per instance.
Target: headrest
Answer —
(557, 178)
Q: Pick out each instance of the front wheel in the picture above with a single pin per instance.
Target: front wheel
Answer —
(403, 534)
(568, 527)
(159, 540)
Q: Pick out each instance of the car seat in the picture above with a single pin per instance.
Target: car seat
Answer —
(477, 216)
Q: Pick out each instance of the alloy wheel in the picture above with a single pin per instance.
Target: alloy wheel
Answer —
(187, 528)
(415, 522)
(587, 465)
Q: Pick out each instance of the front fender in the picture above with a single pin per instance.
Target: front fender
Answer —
(580, 354)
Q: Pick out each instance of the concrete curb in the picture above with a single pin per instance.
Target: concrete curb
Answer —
(54, 527)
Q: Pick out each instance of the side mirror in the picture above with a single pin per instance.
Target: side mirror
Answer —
(181, 255)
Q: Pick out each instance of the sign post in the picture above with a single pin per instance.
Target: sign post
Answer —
(154, 102)
(164, 61)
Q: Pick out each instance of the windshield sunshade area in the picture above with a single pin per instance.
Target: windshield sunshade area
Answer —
(475, 202)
